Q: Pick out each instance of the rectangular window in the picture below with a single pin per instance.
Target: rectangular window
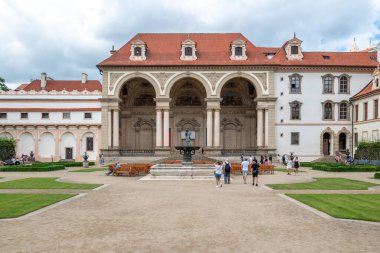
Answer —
(88, 115)
(365, 111)
(89, 144)
(295, 139)
(365, 136)
(356, 139)
(3, 115)
(24, 115)
(356, 113)
(45, 115)
(375, 135)
(295, 84)
(328, 84)
(376, 109)
(66, 115)
(295, 111)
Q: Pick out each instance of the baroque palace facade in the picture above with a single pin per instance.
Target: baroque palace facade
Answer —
(233, 96)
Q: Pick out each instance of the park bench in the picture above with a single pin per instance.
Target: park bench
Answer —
(266, 168)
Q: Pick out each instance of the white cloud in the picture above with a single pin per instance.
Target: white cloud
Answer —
(68, 37)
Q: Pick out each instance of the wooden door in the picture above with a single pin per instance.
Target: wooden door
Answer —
(69, 153)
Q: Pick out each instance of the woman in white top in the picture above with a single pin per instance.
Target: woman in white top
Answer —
(218, 173)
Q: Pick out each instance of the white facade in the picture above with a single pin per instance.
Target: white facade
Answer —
(54, 125)
(311, 124)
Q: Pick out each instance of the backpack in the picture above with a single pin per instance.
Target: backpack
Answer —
(227, 167)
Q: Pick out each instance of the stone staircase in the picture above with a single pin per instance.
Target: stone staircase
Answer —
(325, 159)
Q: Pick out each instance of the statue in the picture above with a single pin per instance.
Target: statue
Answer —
(31, 154)
(187, 135)
(85, 156)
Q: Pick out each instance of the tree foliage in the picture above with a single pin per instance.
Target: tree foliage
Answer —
(7, 148)
(3, 86)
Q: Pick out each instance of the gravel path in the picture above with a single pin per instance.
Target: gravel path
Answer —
(184, 216)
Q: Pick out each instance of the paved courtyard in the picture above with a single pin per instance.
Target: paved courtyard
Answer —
(131, 215)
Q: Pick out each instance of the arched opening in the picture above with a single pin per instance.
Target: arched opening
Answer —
(342, 142)
(238, 115)
(46, 147)
(137, 105)
(188, 111)
(326, 144)
(26, 144)
(68, 146)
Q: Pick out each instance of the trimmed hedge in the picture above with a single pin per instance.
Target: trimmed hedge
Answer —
(32, 168)
(43, 166)
(377, 175)
(345, 168)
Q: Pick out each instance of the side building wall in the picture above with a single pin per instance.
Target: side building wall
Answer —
(311, 126)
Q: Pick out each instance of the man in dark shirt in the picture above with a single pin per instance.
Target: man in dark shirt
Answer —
(255, 173)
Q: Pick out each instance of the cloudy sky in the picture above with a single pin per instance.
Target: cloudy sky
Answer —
(67, 37)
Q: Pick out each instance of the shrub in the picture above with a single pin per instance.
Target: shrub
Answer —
(377, 175)
(345, 168)
(43, 166)
(21, 168)
(7, 148)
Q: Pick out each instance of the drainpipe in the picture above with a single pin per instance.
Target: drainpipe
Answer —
(352, 126)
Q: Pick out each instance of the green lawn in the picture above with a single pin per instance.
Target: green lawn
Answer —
(15, 205)
(89, 170)
(326, 184)
(345, 206)
(284, 170)
(44, 183)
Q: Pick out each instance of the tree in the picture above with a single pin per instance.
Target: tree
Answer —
(7, 148)
(3, 86)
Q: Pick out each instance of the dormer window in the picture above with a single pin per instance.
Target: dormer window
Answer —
(238, 50)
(376, 78)
(293, 49)
(188, 49)
(138, 51)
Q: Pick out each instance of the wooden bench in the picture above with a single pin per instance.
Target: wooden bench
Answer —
(131, 169)
(266, 168)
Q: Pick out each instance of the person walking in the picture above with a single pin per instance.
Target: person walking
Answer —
(218, 170)
(278, 159)
(244, 169)
(101, 159)
(270, 159)
(289, 165)
(242, 158)
(296, 165)
(227, 172)
(255, 173)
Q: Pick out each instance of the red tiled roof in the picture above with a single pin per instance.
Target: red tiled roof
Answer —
(214, 49)
(58, 85)
(365, 91)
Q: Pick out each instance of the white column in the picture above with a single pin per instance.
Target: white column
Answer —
(115, 128)
(259, 127)
(158, 128)
(266, 129)
(216, 127)
(166, 128)
(109, 133)
(209, 128)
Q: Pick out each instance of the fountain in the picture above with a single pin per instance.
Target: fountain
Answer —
(187, 150)
(186, 170)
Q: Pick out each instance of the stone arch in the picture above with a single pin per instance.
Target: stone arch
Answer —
(67, 142)
(46, 145)
(83, 145)
(6, 135)
(324, 144)
(173, 80)
(259, 87)
(26, 143)
(337, 140)
(127, 77)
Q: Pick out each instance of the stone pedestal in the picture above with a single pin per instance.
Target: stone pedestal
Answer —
(85, 164)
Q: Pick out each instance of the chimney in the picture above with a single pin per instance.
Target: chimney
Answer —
(84, 78)
(378, 52)
(113, 50)
(43, 80)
